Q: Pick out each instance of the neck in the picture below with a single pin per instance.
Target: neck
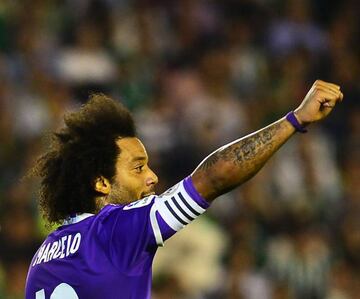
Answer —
(100, 202)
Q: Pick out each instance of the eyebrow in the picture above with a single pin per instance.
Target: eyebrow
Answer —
(139, 158)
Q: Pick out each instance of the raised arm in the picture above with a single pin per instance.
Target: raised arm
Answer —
(236, 162)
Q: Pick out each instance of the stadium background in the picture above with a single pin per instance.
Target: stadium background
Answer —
(197, 74)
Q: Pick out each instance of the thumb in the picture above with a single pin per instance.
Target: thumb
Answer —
(328, 104)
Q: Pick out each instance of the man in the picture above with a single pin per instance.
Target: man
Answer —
(96, 181)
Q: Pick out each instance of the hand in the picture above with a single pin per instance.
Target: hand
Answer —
(319, 102)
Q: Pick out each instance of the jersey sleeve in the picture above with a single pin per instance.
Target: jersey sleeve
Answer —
(131, 233)
(174, 209)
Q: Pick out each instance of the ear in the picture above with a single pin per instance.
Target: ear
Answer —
(102, 185)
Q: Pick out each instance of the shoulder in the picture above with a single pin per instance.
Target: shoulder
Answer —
(139, 203)
(137, 207)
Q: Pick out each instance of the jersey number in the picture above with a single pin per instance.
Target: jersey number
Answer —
(62, 291)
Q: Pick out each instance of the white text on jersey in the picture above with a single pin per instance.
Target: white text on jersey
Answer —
(59, 249)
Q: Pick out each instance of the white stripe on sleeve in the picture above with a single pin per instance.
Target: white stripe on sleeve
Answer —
(177, 211)
(177, 208)
(155, 226)
(185, 208)
(168, 217)
(191, 202)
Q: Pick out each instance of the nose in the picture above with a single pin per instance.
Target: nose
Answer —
(152, 179)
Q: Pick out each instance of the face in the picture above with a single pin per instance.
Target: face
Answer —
(134, 179)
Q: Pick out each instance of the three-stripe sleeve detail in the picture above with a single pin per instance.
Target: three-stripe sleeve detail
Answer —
(179, 210)
(176, 215)
(173, 210)
(195, 211)
(182, 210)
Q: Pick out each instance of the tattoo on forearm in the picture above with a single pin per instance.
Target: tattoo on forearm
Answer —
(236, 162)
(210, 161)
(243, 150)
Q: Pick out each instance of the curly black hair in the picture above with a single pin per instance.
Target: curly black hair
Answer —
(84, 149)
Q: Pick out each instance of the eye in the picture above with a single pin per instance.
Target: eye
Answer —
(138, 169)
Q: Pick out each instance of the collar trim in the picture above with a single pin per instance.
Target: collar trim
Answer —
(77, 218)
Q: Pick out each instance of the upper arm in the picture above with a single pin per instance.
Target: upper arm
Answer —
(206, 179)
(175, 208)
(203, 186)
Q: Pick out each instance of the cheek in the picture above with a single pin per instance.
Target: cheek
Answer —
(139, 183)
(123, 178)
(131, 181)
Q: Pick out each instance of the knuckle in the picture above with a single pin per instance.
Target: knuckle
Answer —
(317, 90)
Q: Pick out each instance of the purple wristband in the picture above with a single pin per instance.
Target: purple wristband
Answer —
(290, 117)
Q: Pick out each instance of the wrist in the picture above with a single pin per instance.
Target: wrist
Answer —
(296, 122)
(300, 120)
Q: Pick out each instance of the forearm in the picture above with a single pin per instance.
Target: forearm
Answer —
(236, 162)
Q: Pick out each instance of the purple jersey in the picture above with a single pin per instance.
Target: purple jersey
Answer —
(110, 254)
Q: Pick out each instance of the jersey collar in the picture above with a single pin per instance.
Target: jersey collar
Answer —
(76, 218)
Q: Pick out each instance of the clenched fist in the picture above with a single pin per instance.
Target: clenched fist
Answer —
(319, 102)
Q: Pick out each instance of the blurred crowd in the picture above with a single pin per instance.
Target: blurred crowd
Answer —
(197, 74)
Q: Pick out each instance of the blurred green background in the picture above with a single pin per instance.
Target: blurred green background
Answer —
(197, 74)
